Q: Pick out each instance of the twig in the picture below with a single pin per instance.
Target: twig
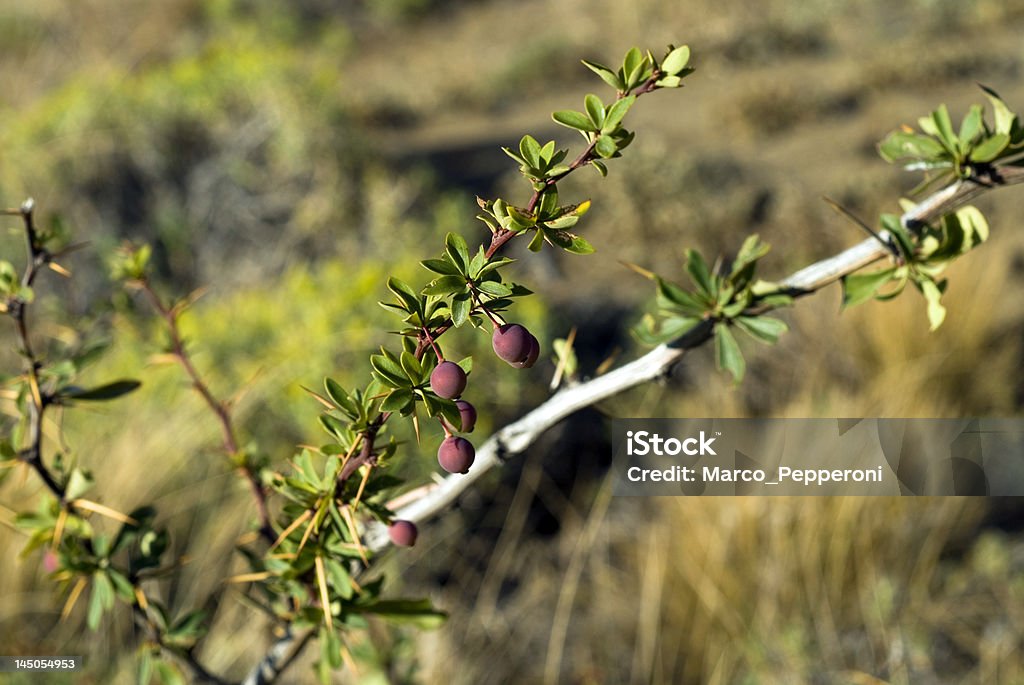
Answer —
(220, 409)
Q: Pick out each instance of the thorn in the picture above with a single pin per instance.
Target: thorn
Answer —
(843, 211)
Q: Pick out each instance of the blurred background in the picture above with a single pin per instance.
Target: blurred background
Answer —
(288, 156)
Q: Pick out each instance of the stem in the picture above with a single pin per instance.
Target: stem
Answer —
(220, 409)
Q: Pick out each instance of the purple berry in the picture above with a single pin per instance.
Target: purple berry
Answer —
(531, 358)
(468, 413)
(448, 380)
(511, 342)
(403, 533)
(456, 455)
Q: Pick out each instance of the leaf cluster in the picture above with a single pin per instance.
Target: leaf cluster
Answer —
(946, 153)
(724, 297)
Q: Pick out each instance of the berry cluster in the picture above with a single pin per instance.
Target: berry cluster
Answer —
(514, 344)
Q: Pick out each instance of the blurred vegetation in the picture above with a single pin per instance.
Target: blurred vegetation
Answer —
(288, 156)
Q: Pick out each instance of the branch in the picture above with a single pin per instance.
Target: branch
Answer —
(220, 410)
(517, 437)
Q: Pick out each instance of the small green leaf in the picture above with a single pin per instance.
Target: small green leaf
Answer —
(440, 266)
(763, 328)
(606, 74)
(537, 242)
(595, 110)
(901, 145)
(460, 307)
(698, 270)
(632, 63)
(859, 288)
(616, 113)
(573, 119)
(970, 126)
(419, 612)
(1005, 118)
(446, 285)
(389, 371)
(933, 294)
(397, 400)
(606, 147)
(529, 148)
(990, 148)
(600, 166)
(944, 129)
(102, 393)
(727, 353)
(79, 483)
(458, 251)
(494, 289)
(676, 60)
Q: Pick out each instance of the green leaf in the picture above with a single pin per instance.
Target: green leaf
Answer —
(330, 648)
(606, 74)
(569, 242)
(933, 294)
(440, 266)
(676, 60)
(859, 288)
(79, 483)
(670, 293)
(944, 129)
(668, 82)
(632, 63)
(458, 251)
(446, 285)
(763, 328)
(654, 332)
(333, 425)
(573, 119)
(606, 147)
(1005, 118)
(595, 110)
(411, 365)
(548, 205)
(537, 242)
(727, 353)
(990, 148)
(460, 307)
(405, 294)
(478, 262)
(494, 289)
(698, 270)
(388, 371)
(100, 600)
(971, 124)
(616, 113)
(338, 395)
(102, 393)
(418, 612)
(900, 145)
(529, 148)
(600, 166)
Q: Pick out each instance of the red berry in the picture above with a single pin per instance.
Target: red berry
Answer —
(511, 342)
(448, 380)
(403, 533)
(468, 413)
(456, 455)
(531, 358)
